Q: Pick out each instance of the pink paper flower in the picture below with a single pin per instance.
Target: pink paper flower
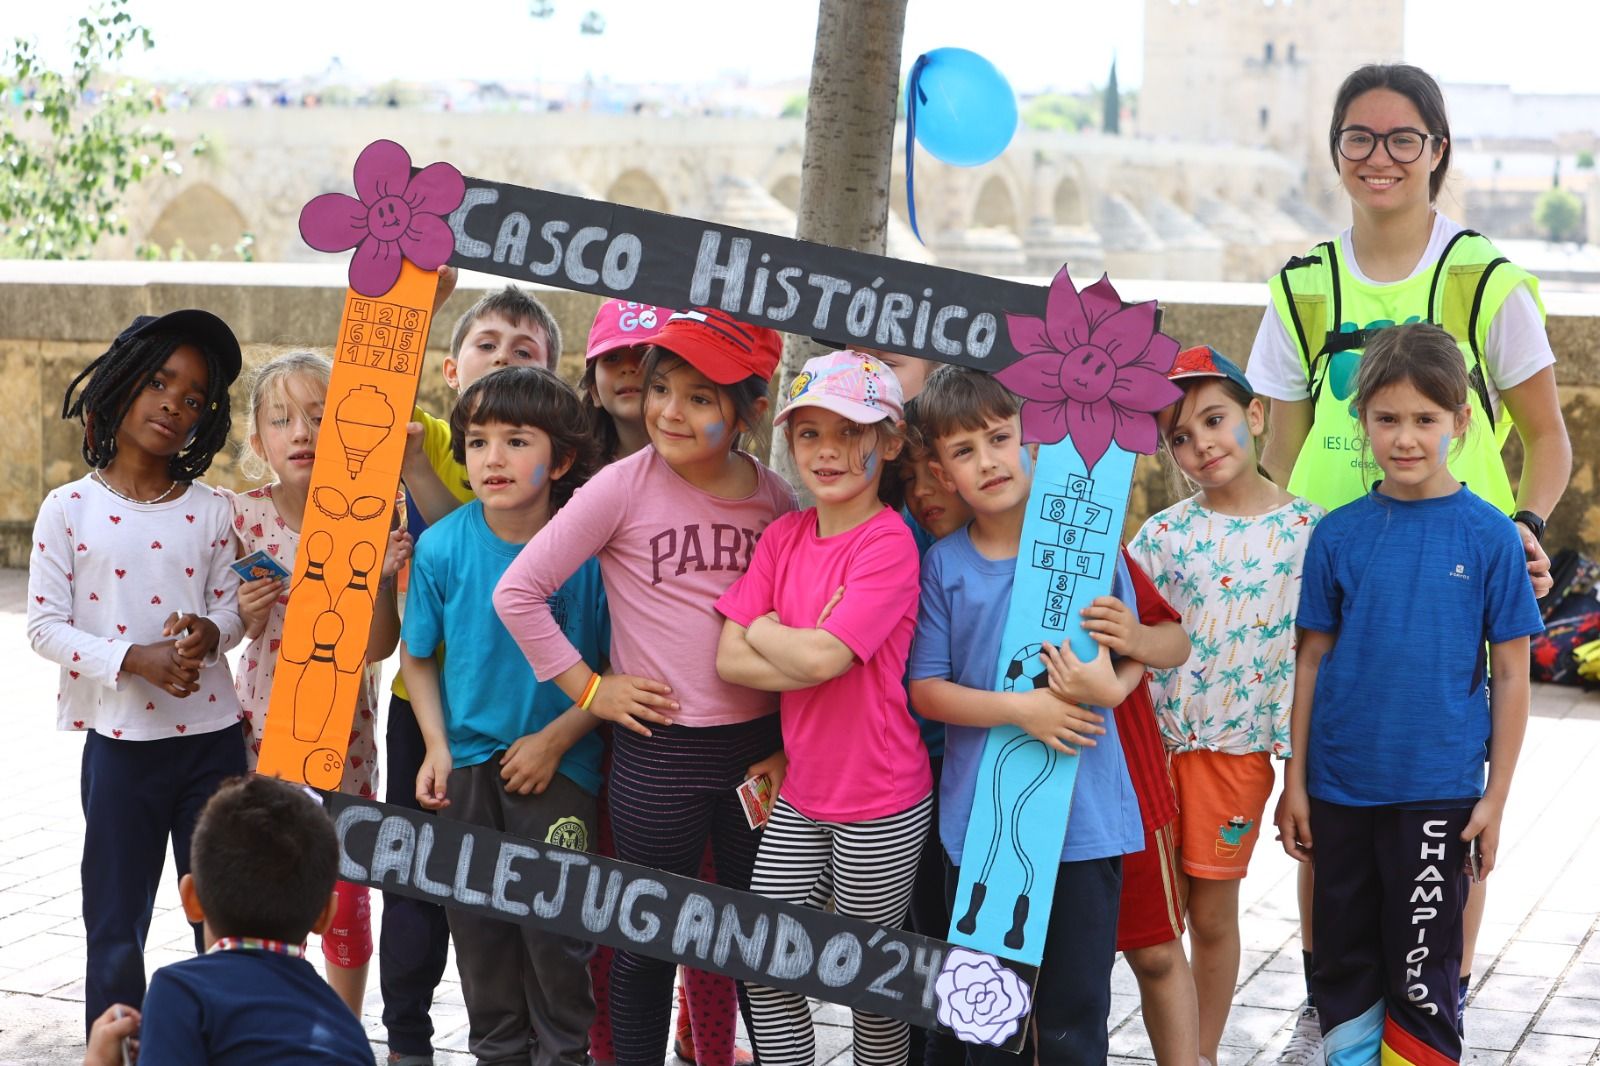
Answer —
(980, 1000)
(1091, 369)
(398, 215)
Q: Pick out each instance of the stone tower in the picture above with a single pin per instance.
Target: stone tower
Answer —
(1261, 73)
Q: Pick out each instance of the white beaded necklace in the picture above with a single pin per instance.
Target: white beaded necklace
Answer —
(98, 476)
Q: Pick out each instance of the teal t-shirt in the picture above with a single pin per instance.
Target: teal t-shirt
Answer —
(489, 692)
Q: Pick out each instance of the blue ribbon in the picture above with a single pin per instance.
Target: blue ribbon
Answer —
(914, 96)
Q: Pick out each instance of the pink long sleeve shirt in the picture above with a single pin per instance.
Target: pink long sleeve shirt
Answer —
(667, 550)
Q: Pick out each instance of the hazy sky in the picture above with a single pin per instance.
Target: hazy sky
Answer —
(1548, 46)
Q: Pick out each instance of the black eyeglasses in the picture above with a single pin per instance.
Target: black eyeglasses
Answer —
(1404, 145)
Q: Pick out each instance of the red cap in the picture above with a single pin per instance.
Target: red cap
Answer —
(720, 346)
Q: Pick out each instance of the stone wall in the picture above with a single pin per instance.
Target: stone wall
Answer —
(55, 317)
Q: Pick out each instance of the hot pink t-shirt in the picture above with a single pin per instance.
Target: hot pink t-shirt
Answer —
(854, 750)
(667, 550)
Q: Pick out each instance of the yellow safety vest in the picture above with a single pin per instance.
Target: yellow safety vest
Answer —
(1331, 316)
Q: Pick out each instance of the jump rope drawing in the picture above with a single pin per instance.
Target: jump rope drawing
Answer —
(1090, 372)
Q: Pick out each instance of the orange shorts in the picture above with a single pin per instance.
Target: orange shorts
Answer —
(1221, 799)
(1150, 912)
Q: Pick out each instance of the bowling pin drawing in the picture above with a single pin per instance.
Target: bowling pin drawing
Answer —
(322, 677)
(361, 587)
(312, 584)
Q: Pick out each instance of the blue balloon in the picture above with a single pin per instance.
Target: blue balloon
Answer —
(965, 111)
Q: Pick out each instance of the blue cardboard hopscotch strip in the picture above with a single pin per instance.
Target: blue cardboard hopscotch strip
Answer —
(1067, 557)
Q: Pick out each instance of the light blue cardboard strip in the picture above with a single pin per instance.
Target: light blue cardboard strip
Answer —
(1068, 556)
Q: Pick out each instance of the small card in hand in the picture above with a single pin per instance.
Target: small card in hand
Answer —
(259, 564)
(755, 795)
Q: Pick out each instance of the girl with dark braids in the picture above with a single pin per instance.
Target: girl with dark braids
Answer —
(130, 591)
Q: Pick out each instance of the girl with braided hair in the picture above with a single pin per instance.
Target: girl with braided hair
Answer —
(130, 591)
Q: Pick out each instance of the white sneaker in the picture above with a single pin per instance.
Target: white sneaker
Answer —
(1305, 1043)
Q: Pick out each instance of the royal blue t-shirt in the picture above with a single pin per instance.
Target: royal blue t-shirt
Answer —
(247, 1008)
(1411, 591)
(489, 692)
(965, 597)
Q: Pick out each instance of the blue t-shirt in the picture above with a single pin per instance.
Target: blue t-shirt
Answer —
(1411, 590)
(932, 732)
(247, 1008)
(489, 692)
(965, 597)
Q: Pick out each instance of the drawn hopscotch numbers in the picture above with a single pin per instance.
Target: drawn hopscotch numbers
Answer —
(382, 335)
(1078, 518)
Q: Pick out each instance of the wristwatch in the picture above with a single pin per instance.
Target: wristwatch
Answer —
(1533, 522)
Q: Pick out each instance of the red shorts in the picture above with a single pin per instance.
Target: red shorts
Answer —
(1151, 912)
(348, 941)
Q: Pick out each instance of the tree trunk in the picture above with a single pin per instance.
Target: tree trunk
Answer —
(844, 173)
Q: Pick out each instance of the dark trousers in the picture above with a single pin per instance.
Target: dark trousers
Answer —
(414, 939)
(527, 990)
(1072, 998)
(670, 793)
(1387, 907)
(136, 795)
(930, 916)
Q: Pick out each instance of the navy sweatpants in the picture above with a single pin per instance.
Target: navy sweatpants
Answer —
(136, 795)
(670, 792)
(1074, 985)
(414, 939)
(1387, 907)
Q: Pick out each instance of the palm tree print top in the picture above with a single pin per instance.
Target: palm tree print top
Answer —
(1236, 582)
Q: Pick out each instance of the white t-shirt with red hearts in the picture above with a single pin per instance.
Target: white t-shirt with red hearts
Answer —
(106, 574)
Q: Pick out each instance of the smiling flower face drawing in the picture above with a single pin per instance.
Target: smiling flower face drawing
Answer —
(399, 215)
(1091, 369)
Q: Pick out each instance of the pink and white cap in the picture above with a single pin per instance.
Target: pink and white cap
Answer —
(852, 384)
(624, 324)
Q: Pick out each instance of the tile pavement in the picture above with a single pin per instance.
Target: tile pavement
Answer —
(1535, 999)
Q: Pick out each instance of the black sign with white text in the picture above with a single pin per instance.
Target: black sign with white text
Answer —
(851, 298)
(578, 894)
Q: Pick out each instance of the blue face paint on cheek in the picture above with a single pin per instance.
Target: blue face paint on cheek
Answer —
(870, 467)
(1444, 446)
(1241, 435)
(1025, 460)
(539, 477)
(715, 431)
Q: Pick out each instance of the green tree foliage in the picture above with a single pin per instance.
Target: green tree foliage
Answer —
(74, 142)
(1586, 160)
(1111, 122)
(1057, 111)
(1559, 214)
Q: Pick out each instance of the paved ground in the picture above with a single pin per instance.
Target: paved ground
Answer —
(1535, 1001)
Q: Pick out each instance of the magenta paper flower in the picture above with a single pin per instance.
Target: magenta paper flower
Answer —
(398, 215)
(1091, 369)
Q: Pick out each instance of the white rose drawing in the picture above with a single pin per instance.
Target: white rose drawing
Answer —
(980, 1000)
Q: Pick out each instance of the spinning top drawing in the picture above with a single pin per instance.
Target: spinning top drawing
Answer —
(362, 419)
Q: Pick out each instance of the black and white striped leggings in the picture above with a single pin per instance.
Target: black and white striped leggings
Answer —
(871, 865)
(670, 793)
